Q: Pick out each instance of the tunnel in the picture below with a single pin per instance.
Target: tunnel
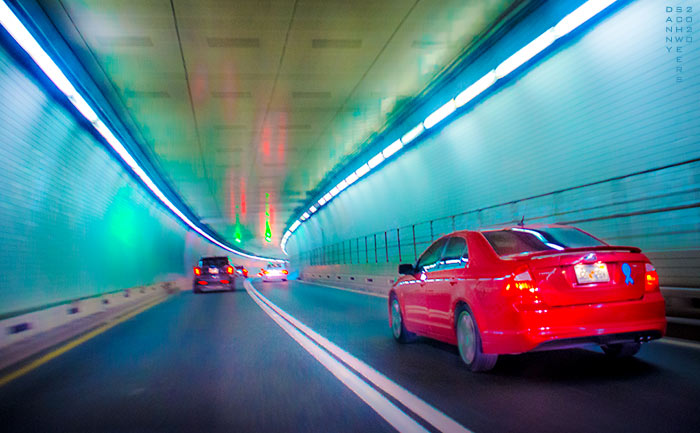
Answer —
(349, 215)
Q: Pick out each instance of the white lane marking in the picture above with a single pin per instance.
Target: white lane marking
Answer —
(679, 342)
(361, 292)
(380, 404)
(683, 320)
(433, 416)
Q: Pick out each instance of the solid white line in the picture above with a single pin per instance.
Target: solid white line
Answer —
(683, 320)
(679, 342)
(361, 292)
(380, 404)
(433, 416)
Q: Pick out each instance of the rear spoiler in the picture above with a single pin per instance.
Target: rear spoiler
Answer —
(574, 250)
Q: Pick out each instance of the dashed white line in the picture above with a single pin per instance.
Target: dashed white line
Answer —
(345, 289)
(430, 414)
(380, 404)
(680, 343)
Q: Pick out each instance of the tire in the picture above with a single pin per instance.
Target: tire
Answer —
(469, 342)
(398, 330)
(621, 350)
(196, 291)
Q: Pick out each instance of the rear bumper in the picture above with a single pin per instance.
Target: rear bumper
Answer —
(213, 284)
(574, 326)
(274, 277)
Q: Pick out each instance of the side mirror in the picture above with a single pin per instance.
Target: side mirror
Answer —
(406, 269)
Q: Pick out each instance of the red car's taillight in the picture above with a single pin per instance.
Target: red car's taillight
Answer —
(229, 269)
(523, 287)
(651, 279)
(197, 271)
(522, 282)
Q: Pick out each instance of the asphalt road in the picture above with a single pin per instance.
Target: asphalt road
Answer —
(218, 362)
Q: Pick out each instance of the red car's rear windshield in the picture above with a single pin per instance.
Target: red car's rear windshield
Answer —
(522, 240)
(214, 262)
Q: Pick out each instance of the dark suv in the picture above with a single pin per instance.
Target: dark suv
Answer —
(213, 273)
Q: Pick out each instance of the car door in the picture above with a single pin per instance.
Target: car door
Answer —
(414, 299)
(439, 297)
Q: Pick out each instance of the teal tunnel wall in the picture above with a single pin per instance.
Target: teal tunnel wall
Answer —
(73, 223)
(587, 131)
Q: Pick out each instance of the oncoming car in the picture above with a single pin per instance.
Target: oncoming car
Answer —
(522, 289)
(213, 273)
(274, 272)
(241, 270)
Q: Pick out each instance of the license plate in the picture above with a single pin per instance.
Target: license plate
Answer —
(213, 271)
(595, 273)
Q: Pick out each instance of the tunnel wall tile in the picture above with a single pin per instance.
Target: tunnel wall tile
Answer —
(73, 223)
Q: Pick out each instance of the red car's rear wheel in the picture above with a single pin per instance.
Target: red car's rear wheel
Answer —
(469, 342)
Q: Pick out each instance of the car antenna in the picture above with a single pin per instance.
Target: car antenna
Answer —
(522, 222)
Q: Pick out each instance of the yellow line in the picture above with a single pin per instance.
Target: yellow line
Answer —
(74, 343)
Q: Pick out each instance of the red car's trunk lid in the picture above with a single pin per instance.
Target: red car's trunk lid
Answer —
(559, 283)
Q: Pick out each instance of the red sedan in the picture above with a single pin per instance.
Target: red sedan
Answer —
(529, 288)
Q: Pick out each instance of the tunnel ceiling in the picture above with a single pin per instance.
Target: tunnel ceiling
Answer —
(248, 104)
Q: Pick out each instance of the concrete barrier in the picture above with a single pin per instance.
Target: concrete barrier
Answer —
(26, 334)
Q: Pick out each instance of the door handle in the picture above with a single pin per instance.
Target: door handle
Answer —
(453, 281)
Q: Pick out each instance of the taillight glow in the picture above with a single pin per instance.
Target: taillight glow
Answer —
(197, 271)
(285, 272)
(522, 281)
(523, 287)
(203, 283)
(224, 281)
(651, 280)
(229, 269)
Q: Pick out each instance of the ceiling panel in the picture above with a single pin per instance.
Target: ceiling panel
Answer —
(236, 99)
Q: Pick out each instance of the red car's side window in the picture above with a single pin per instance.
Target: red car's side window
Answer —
(428, 260)
(455, 254)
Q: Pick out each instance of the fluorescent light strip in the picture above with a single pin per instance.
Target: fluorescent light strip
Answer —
(376, 160)
(579, 16)
(475, 89)
(525, 53)
(25, 40)
(392, 149)
(565, 26)
(363, 170)
(351, 178)
(412, 134)
(441, 113)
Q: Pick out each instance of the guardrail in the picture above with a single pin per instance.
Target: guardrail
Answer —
(657, 209)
